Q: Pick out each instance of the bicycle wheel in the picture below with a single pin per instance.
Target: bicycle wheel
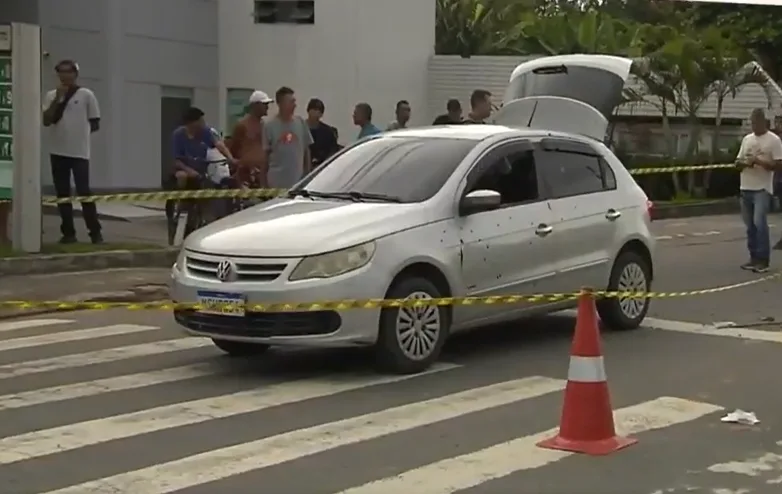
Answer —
(171, 224)
(172, 216)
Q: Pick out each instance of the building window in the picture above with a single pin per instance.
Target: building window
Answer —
(235, 107)
(284, 12)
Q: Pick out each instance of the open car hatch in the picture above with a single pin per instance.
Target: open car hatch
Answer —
(566, 93)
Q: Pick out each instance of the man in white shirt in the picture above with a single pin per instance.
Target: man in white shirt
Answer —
(71, 114)
(760, 154)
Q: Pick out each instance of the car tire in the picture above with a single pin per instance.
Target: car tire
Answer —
(397, 350)
(631, 272)
(240, 348)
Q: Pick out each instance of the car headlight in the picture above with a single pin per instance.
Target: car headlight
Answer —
(333, 263)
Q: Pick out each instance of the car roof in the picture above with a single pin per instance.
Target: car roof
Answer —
(479, 132)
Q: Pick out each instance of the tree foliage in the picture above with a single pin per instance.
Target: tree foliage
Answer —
(689, 53)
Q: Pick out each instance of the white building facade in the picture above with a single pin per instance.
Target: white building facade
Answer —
(341, 51)
(146, 61)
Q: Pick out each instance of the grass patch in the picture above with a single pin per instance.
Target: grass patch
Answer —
(49, 249)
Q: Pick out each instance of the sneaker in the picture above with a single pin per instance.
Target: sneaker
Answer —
(96, 238)
(68, 239)
(749, 265)
(761, 267)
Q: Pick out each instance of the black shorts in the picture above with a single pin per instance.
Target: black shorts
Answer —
(190, 184)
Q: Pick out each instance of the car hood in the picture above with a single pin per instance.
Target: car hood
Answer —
(302, 227)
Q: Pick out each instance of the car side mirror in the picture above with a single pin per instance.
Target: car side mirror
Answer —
(480, 200)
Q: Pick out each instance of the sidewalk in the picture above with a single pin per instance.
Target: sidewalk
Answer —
(126, 285)
(120, 210)
(151, 230)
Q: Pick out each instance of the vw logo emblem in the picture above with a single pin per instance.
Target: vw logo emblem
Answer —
(226, 271)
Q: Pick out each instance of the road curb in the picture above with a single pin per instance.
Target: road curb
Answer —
(706, 208)
(90, 261)
(144, 293)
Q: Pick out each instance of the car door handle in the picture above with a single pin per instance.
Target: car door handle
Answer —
(613, 214)
(543, 230)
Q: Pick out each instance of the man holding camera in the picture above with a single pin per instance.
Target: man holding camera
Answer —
(760, 154)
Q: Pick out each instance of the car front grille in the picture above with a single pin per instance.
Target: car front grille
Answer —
(261, 324)
(247, 269)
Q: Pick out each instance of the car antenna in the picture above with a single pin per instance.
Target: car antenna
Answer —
(532, 114)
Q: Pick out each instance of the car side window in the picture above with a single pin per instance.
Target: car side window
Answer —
(572, 174)
(609, 178)
(512, 174)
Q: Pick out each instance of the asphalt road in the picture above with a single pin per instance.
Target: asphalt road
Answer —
(131, 407)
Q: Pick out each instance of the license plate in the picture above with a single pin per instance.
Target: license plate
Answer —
(224, 304)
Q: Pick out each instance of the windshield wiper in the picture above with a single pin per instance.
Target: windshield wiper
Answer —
(309, 194)
(300, 192)
(348, 196)
(360, 196)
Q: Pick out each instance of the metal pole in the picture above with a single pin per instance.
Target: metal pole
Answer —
(26, 121)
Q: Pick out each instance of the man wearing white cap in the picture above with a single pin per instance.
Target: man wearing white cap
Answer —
(247, 142)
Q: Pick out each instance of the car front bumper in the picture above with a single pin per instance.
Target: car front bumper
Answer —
(324, 328)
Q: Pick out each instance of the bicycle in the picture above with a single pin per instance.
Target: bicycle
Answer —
(189, 215)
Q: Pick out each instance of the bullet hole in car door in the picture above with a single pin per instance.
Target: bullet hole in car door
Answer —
(498, 245)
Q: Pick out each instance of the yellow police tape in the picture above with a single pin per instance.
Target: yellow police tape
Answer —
(270, 193)
(373, 303)
(676, 169)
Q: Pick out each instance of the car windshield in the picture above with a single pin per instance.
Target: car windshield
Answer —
(397, 169)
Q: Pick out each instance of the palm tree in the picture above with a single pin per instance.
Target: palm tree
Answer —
(479, 27)
(737, 72)
(588, 31)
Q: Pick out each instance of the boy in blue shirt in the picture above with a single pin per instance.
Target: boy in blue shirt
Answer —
(362, 116)
(191, 144)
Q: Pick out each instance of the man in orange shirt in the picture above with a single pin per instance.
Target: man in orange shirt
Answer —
(247, 142)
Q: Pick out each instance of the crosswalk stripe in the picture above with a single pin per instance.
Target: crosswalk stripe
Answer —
(233, 460)
(74, 436)
(67, 336)
(31, 323)
(17, 369)
(709, 330)
(469, 470)
(107, 385)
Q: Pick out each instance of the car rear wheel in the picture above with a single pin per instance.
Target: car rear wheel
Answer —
(631, 273)
(411, 338)
(240, 348)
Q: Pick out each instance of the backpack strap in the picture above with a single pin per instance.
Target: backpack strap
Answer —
(60, 110)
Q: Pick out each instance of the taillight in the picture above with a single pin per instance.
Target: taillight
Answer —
(650, 209)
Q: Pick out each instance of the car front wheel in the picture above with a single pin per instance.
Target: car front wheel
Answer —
(631, 273)
(240, 348)
(411, 338)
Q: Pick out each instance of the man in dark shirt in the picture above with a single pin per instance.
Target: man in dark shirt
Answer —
(324, 136)
(480, 107)
(453, 115)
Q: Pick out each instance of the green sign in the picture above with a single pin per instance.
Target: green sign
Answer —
(6, 122)
(5, 70)
(6, 148)
(6, 126)
(6, 96)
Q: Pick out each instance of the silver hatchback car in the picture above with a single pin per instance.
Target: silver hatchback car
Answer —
(535, 203)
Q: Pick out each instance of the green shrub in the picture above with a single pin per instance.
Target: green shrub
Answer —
(660, 186)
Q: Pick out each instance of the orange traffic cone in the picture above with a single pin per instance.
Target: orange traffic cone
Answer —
(587, 423)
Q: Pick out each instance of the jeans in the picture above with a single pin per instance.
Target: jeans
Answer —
(62, 168)
(755, 205)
